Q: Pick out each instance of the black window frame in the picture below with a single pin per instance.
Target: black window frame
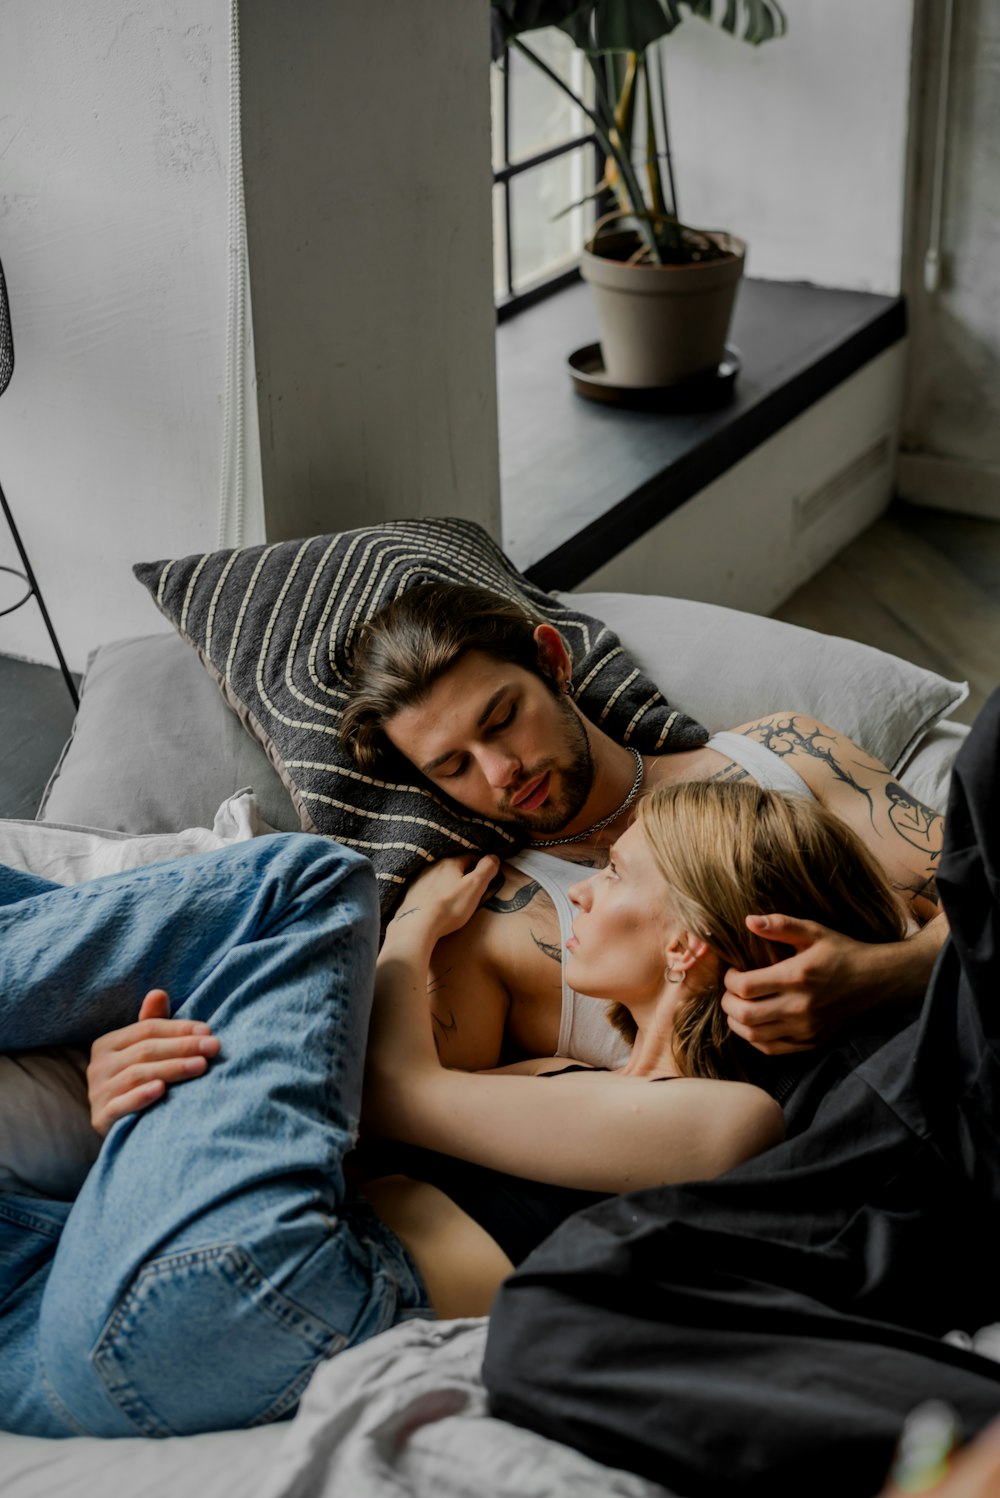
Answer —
(511, 301)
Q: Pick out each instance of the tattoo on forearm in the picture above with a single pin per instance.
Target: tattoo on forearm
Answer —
(732, 771)
(517, 901)
(787, 737)
(550, 948)
(915, 823)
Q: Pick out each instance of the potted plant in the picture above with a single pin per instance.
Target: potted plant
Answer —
(664, 292)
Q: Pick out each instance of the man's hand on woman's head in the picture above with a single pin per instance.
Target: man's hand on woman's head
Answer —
(828, 980)
(131, 1068)
(800, 1002)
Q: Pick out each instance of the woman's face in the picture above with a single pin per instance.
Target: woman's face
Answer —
(623, 925)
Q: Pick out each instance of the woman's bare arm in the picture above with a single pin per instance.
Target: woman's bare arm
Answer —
(597, 1131)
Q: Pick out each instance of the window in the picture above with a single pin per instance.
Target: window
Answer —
(545, 161)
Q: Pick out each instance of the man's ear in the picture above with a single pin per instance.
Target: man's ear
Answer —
(553, 657)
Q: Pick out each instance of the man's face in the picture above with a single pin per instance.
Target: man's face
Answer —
(500, 741)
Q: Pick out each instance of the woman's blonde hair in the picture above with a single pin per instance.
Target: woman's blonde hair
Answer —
(728, 849)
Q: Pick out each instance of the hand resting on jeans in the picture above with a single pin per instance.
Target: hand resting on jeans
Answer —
(131, 1068)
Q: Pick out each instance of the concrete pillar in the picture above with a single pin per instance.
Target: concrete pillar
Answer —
(366, 151)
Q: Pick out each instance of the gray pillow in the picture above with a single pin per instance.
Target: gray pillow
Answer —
(155, 748)
(725, 668)
(275, 625)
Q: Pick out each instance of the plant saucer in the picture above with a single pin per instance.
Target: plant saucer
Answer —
(703, 392)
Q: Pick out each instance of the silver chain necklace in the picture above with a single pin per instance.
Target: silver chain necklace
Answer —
(579, 837)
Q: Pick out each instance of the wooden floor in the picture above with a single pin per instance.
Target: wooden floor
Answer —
(920, 583)
(923, 584)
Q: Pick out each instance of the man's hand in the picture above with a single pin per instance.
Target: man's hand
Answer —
(804, 1000)
(131, 1068)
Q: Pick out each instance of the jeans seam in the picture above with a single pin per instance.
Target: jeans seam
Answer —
(21, 1218)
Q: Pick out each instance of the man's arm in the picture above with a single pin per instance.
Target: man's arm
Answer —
(830, 979)
(803, 1001)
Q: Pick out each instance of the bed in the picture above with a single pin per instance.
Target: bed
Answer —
(159, 764)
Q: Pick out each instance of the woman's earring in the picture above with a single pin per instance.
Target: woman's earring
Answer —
(568, 687)
(670, 975)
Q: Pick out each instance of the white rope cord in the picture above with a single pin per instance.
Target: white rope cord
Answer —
(232, 483)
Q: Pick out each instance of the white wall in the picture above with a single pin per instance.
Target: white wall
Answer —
(367, 162)
(113, 239)
(760, 530)
(799, 146)
(378, 380)
(951, 429)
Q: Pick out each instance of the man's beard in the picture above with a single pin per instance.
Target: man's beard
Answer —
(575, 776)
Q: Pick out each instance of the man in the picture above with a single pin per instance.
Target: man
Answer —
(477, 696)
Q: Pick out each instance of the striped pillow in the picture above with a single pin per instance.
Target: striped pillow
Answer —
(274, 625)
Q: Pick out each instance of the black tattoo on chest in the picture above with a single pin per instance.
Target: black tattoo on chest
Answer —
(517, 901)
(550, 948)
(443, 1027)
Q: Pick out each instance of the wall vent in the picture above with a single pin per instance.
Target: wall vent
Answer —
(817, 505)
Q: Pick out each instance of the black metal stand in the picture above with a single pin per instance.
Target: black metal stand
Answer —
(34, 591)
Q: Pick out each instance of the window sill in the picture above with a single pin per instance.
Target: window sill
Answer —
(581, 481)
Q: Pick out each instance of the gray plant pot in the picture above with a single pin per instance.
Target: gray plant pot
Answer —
(661, 324)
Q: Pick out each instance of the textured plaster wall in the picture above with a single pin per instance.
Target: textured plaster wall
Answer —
(951, 432)
(113, 238)
(366, 158)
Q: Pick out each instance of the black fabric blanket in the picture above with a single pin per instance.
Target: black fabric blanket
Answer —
(767, 1333)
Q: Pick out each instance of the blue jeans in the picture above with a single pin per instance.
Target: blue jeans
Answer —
(214, 1255)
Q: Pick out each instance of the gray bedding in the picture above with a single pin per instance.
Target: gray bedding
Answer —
(402, 1416)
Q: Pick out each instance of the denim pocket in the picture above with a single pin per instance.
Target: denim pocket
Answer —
(203, 1341)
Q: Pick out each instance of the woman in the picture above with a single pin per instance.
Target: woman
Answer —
(655, 932)
(249, 1141)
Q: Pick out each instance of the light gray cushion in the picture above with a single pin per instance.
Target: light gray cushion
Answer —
(155, 748)
(725, 668)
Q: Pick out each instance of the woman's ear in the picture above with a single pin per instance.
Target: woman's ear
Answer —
(684, 950)
(553, 656)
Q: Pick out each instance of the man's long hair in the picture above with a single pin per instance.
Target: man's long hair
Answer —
(412, 642)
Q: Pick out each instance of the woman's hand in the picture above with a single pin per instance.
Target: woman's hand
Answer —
(131, 1068)
(444, 897)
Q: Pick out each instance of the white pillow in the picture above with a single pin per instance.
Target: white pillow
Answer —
(724, 668)
(46, 1142)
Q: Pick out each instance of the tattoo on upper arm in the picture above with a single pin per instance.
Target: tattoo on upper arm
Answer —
(517, 901)
(915, 823)
(787, 736)
(550, 948)
(732, 771)
(923, 889)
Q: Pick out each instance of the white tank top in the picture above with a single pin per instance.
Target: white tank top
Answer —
(584, 1031)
